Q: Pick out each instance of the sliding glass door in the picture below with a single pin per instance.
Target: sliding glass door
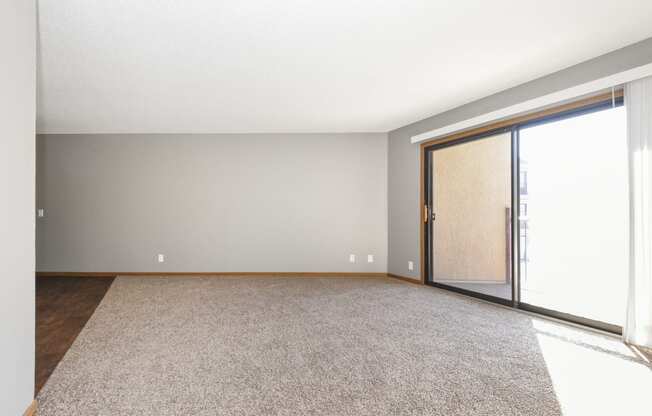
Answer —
(566, 175)
(470, 219)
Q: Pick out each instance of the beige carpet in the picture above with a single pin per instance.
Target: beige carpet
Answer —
(275, 346)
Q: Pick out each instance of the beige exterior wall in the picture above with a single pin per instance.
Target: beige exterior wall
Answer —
(472, 191)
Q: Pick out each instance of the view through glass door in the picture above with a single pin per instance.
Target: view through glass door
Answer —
(471, 199)
(573, 222)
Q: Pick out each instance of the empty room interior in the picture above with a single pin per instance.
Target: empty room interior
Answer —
(325, 208)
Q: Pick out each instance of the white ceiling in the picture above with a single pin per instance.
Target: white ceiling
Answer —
(211, 66)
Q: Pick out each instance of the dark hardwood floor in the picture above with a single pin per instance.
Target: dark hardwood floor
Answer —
(63, 306)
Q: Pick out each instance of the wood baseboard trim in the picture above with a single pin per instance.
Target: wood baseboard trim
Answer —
(405, 279)
(31, 410)
(216, 274)
(75, 274)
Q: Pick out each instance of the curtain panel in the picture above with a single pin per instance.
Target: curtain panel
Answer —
(638, 323)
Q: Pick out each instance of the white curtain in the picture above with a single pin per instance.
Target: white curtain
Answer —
(638, 324)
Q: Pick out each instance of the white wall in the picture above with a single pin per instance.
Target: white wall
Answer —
(17, 121)
(212, 203)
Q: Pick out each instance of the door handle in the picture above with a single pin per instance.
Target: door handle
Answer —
(428, 214)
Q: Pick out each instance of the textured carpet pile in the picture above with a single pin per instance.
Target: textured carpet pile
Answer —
(275, 346)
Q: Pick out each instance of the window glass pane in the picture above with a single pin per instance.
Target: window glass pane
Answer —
(573, 215)
(472, 202)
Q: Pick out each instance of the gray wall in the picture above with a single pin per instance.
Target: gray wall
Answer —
(17, 118)
(212, 203)
(403, 165)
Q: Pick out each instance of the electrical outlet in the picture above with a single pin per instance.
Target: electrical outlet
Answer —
(161, 258)
(370, 258)
(410, 265)
(40, 212)
(351, 258)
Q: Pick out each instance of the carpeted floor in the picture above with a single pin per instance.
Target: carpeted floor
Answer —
(275, 346)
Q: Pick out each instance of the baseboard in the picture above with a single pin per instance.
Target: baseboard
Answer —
(216, 274)
(31, 410)
(75, 274)
(405, 279)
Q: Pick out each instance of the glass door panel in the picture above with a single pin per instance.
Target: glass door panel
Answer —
(470, 199)
(573, 215)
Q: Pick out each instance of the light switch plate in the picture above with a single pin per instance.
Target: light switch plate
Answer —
(351, 258)
(370, 258)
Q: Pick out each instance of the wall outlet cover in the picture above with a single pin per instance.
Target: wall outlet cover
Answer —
(351, 258)
(370, 258)
(161, 258)
(410, 265)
